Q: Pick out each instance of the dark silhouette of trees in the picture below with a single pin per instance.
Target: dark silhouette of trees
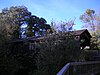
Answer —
(55, 52)
(36, 26)
(17, 58)
(11, 20)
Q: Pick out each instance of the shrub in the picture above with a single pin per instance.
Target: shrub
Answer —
(55, 52)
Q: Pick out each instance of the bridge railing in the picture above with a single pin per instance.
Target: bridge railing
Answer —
(80, 68)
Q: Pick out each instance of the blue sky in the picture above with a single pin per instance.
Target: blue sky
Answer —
(58, 10)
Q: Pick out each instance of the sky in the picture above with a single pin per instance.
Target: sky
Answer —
(55, 10)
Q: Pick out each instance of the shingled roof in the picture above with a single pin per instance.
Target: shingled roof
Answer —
(80, 32)
(35, 38)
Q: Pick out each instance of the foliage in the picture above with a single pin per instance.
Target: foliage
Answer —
(55, 52)
(18, 14)
(36, 26)
(51, 55)
(24, 57)
(92, 22)
(15, 59)
(8, 65)
(11, 19)
(62, 26)
(89, 17)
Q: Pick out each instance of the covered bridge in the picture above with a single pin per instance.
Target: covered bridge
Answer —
(82, 35)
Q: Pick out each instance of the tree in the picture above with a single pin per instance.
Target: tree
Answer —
(36, 26)
(89, 18)
(62, 26)
(55, 52)
(12, 18)
(92, 22)
(10, 22)
(8, 65)
(14, 57)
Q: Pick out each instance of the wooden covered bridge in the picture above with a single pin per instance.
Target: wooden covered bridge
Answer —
(82, 35)
(71, 68)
